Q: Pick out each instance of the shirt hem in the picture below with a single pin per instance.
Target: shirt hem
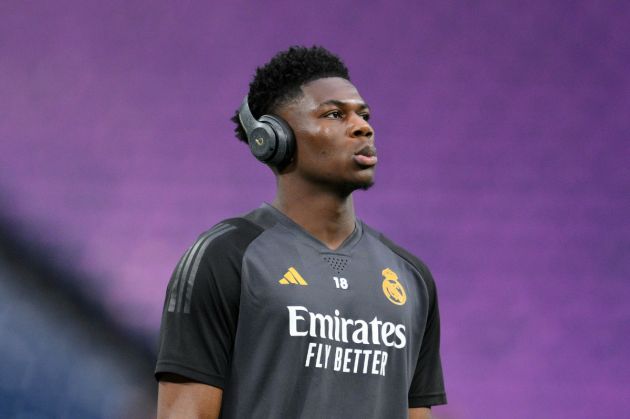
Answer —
(187, 372)
(427, 400)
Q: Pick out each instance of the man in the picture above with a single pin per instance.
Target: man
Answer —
(298, 309)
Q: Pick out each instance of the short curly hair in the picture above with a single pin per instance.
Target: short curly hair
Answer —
(281, 79)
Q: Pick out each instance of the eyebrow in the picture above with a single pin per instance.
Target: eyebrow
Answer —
(342, 104)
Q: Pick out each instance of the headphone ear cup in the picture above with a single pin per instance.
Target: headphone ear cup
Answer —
(284, 140)
(263, 142)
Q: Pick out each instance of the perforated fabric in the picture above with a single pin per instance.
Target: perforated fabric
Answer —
(338, 263)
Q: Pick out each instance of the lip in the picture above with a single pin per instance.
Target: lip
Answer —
(366, 157)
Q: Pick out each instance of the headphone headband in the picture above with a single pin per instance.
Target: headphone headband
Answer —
(247, 119)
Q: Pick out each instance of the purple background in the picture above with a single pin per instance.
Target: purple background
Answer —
(504, 140)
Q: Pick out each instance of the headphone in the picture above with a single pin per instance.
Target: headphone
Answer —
(270, 138)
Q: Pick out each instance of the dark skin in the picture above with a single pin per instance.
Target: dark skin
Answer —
(335, 156)
(330, 123)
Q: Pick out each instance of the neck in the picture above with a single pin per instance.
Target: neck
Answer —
(327, 216)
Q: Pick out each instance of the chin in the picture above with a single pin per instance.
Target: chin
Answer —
(366, 186)
(363, 185)
(348, 185)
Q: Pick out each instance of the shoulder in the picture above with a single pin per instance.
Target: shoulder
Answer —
(228, 237)
(418, 265)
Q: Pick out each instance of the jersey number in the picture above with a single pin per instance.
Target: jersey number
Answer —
(341, 283)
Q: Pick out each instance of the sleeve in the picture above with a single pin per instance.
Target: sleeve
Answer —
(200, 312)
(427, 384)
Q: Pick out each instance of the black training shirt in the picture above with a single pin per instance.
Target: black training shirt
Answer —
(291, 329)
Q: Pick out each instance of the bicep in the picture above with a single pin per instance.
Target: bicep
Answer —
(188, 400)
(420, 413)
(200, 313)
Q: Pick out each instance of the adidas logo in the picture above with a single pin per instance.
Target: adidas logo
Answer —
(292, 277)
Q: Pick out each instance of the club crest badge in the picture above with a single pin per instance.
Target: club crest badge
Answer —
(392, 288)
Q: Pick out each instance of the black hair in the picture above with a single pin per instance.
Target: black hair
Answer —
(281, 79)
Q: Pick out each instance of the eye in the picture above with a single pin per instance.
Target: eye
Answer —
(365, 116)
(336, 114)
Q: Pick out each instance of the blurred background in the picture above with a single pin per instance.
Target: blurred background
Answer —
(503, 131)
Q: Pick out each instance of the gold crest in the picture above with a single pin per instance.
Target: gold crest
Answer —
(392, 288)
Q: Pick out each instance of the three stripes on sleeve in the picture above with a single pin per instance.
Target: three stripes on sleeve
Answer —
(180, 293)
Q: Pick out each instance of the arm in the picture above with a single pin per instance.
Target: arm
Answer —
(184, 399)
(420, 413)
(427, 383)
(199, 323)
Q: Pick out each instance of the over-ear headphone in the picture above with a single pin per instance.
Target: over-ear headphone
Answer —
(270, 138)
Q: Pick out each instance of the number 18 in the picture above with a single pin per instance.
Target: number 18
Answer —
(341, 283)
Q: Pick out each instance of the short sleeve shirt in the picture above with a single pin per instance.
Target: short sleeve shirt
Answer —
(291, 329)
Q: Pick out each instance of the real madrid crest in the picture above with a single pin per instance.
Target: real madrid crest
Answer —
(392, 288)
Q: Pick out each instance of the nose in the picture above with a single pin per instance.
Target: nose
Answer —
(360, 127)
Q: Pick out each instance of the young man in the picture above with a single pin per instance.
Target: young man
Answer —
(298, 309)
